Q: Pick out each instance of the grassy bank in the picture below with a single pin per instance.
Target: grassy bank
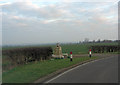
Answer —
(33, 71)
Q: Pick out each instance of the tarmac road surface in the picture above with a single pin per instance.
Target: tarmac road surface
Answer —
(100, 71)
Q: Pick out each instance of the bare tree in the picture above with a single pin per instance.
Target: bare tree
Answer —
(86, 40)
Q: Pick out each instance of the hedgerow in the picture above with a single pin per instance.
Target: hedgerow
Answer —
(25, 55)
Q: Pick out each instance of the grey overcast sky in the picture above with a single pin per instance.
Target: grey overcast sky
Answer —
(30, 22)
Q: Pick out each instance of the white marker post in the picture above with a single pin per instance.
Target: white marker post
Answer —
(90, 53)
(70, 56)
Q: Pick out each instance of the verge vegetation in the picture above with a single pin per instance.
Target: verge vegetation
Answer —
(32, 71)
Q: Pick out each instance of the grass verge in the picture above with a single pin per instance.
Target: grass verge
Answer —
(33, 71)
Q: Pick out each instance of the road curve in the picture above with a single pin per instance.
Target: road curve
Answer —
(101, 71)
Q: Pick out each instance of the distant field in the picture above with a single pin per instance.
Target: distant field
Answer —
(81, 48)
(66, 48)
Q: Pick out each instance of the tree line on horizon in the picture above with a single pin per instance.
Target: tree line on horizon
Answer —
(99, 41)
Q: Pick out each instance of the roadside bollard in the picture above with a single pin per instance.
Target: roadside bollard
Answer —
(71, 56)
(90, 53)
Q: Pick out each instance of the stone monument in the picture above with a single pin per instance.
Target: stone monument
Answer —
(58, 51)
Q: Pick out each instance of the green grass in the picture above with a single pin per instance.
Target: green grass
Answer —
(75, 48)
(33, 71)
(80, 48)
(66, 48)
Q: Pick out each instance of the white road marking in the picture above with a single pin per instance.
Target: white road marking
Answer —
(73, 69)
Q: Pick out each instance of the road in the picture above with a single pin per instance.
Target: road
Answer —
(100, 71)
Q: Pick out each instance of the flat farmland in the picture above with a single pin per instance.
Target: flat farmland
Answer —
(67, 48)
(77, 49)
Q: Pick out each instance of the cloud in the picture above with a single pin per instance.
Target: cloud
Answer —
(32, 10)
(28, 22)
(57, 11)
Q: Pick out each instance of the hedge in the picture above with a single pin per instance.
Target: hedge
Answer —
(25, 55)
